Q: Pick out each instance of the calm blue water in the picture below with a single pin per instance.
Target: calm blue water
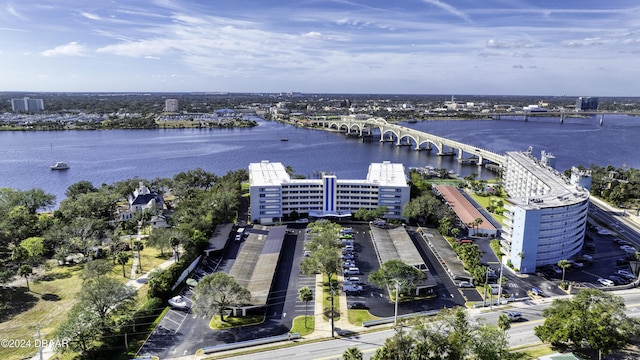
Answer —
(109, 156)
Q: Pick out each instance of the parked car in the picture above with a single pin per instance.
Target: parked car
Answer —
(352, 288)
(353, 279)
(351, 271)
(348, 257)
(357, 305)
(465, 284)
(348, 264)
(622, 261)
(617, 280)
(625, 274)
(605, 282)
(302, 221)
(536, 291)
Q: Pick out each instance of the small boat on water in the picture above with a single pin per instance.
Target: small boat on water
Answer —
(60, 166)
(284, 139)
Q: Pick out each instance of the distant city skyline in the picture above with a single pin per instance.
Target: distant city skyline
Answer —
(525, 47)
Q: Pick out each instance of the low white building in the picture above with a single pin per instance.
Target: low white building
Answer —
(275, 195)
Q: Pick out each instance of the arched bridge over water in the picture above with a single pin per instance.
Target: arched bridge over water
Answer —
(406, 136)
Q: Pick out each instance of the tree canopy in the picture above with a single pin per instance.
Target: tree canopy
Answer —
(216, 292)
(395, 271)
(450, 335)
(324, 247)
(592, 317)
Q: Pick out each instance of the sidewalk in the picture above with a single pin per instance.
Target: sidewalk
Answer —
(322, 328)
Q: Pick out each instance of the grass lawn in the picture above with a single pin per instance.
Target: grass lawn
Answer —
(356, 317)
(235, 321)
(151, 258)
(485, 201)
(326, 298)
(299, 325)
(51, 296)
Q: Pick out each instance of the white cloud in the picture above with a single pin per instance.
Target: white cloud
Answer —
(11, 10)
(70, 49)
(152, 57)
(91, 16)
(448, 8)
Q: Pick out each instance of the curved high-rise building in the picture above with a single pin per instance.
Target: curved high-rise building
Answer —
(546, 212)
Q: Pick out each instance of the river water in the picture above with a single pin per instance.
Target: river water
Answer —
(112, 155)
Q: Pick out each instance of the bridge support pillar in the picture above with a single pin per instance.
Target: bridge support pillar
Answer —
(460, 153)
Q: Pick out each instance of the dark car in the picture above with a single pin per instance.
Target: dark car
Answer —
(621, 262)
(358, 305)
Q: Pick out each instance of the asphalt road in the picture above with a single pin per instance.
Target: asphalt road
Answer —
(520, 334)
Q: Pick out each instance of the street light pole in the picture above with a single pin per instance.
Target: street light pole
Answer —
(395, 317)
(332, 312)
(500, 283)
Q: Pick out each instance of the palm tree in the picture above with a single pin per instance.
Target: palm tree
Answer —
(122, 258)
(25, 271)
(305, 294)
(137, 247)
(352, 354)
(504, 323)
(564, 264)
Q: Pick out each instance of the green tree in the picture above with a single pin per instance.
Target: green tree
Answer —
(216, 292)
(352, 353)
(160, 238)
(450, 335)
(19, 254)
(592, 317)
(394, 272)
(96, 268)
(34, 246)
(123, 258)
(305, 295)
(325, 254)
(81, 329)
(564, 265)
(104, 294)
(174, 241)
(25, 271)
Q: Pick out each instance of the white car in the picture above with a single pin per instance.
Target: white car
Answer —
(302, 221)
(514, 316)
(606, 282)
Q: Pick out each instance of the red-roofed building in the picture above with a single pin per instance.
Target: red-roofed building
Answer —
(466, 212)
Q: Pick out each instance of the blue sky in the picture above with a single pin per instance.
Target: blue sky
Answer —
(510, 47)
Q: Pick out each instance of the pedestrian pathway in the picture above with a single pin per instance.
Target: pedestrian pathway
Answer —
(323, 327)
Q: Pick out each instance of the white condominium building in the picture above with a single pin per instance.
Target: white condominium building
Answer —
(275, 195)
(546, 212)
(171, 105)
(27, 105)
